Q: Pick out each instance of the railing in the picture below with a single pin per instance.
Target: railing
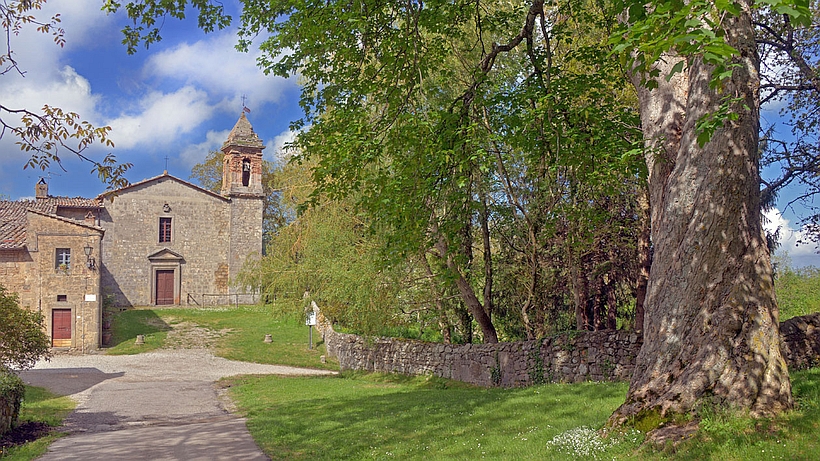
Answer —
(222, 299)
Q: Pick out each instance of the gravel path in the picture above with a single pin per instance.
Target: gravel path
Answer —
(157, 405)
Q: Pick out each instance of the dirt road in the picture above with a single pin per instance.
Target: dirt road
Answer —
(161, 405)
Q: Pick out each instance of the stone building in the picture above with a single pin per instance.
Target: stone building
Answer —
(48, 257)
(161, 241)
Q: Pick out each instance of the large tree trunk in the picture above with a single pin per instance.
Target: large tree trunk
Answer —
(644, 258)
(711, 325)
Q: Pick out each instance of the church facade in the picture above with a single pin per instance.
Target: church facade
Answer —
(160, 241)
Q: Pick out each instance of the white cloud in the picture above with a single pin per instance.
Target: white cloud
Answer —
(196, 153)
(276, 151)
(65, 89)
(801, 254)
(161, 118)
(215, 65)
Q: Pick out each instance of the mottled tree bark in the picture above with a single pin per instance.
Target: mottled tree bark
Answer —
(644, 258)
(711, 321)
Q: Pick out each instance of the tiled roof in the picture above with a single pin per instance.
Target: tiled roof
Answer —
(13, 216)
(73, 202)
(13, 220)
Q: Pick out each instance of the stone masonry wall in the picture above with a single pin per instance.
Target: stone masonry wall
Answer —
(596, 356)
(75, 288)
(246, 232)
(569, 357)
(200, 235)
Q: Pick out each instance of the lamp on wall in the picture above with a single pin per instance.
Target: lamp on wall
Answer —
(89, 260)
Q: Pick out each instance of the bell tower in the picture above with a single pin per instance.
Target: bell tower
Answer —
(242, 164)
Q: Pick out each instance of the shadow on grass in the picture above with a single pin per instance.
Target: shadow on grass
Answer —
(356, 417)
(126, 325)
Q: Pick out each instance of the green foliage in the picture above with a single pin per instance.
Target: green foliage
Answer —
(686, 28)
(145, 15)
(798, 291)
(22, 339)
(536, 368)
(11, 394)
(686, 31)
(40, 405)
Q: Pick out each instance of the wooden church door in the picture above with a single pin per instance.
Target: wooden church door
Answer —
(165, 287)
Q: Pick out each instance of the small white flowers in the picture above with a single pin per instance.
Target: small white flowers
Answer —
(580, 441)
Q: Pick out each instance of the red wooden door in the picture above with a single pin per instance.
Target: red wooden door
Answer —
(61, 327)
(165, 287)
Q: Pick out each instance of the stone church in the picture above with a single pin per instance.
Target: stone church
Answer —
(160, 241)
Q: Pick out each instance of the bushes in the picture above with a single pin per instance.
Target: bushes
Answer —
(22, 340)
(11, 396)
(22, 343)
(798, 292)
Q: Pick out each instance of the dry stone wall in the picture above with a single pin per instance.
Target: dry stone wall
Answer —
(801, 341)
(596, 356)
(569, 357)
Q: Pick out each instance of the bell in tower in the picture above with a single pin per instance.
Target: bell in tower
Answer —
(242, 167)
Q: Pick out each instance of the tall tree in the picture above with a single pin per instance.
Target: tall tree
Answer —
(711, 323)
(790, 78)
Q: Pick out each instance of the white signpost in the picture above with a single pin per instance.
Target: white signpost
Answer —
(310, 322)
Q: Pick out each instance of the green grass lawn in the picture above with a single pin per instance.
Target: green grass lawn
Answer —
(245, 328)
(358, 416)
(39, 405)
(374, 416)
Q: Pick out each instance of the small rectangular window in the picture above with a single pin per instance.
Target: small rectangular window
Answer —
(62, 298)
(63, 259)
(164, 230)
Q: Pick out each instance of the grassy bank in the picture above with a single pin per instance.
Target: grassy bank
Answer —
(357, 416)
(236, 333)
(39, 406)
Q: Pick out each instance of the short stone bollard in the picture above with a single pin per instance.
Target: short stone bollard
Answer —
(140, 340)
(322, 359)
(268, 339)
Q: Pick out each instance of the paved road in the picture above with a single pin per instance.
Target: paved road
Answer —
(155, 406)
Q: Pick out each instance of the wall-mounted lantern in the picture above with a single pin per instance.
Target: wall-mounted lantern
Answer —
(89, 260)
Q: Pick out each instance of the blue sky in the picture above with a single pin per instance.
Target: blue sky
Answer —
(178, 99)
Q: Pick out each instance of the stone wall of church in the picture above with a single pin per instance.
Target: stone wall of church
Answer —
(246, 231)
(201, 236)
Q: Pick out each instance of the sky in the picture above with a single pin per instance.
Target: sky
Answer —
(168, 106)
